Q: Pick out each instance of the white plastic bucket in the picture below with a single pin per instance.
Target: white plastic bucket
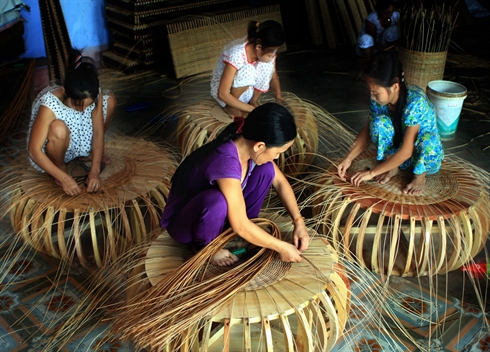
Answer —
(447, 98)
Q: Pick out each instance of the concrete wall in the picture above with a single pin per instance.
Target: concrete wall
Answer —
(85, 22)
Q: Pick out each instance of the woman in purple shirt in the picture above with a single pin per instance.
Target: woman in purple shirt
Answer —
(226, 181)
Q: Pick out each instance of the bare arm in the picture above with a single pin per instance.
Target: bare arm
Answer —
(404, 153)
(224, 90)
(288, 199)
(362, 142)
(237, 216)
(276, 86)
(93, 179)
(371, 30)
(37, 138)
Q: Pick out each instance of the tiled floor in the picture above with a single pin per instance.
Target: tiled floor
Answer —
(32, 309)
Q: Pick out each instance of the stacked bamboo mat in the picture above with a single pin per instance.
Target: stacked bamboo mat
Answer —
(138, 28)
(339, 20)
(56, 37)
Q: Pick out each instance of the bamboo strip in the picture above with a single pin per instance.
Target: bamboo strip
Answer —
(356, 16)
(345, 20)
(314, 22)
(327, 24)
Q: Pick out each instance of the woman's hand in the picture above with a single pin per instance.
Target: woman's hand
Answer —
(280, 101)
(93, 182)
(69, 185)
(301, 237)
(289, 253)
(361, 176)
(343, 167)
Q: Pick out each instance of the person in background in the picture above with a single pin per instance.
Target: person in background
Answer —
(379, 30)
(247, 68)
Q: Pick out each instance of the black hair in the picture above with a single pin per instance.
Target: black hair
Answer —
(385, 69)
(268, 34)
(81, 77)
(270, 123)
(384, 4)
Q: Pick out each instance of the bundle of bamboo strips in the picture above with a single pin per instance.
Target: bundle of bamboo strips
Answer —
(158, 316)
(427, 30)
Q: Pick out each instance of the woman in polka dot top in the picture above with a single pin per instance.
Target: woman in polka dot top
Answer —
(68, 122)
(246, 69)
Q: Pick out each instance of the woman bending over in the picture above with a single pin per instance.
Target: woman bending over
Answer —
(402, 125)
(225, 182)
(68, 122)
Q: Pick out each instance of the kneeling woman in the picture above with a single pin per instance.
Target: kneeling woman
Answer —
(226, 182)
(69, 122)
(402, 124)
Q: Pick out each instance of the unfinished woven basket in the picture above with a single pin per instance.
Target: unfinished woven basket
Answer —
(300, 309)
(407, 235)
(202, 122)
(95, 226)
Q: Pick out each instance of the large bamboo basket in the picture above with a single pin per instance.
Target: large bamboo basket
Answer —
(202, 122)
(420, 68)
(393, 233)
(95, 226)
(288, 307)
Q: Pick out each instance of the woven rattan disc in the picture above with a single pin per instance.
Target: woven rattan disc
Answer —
(439, 187)
(274, 272)
(407, 235)
(125, 209)
(304, 311)
(136, 167)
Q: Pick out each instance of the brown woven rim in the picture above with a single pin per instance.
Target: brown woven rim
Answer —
(438, 188)
(133, 172)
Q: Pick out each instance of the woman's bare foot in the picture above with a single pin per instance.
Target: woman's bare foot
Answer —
(385, 177)
(224, 258)
(416, 186)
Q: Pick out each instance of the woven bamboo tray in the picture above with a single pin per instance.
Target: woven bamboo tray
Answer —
(292, 308)
(95, 226)
(406, 235)
(421, 68)
(202, 122)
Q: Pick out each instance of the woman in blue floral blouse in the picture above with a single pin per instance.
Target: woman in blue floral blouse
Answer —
(402, 125)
